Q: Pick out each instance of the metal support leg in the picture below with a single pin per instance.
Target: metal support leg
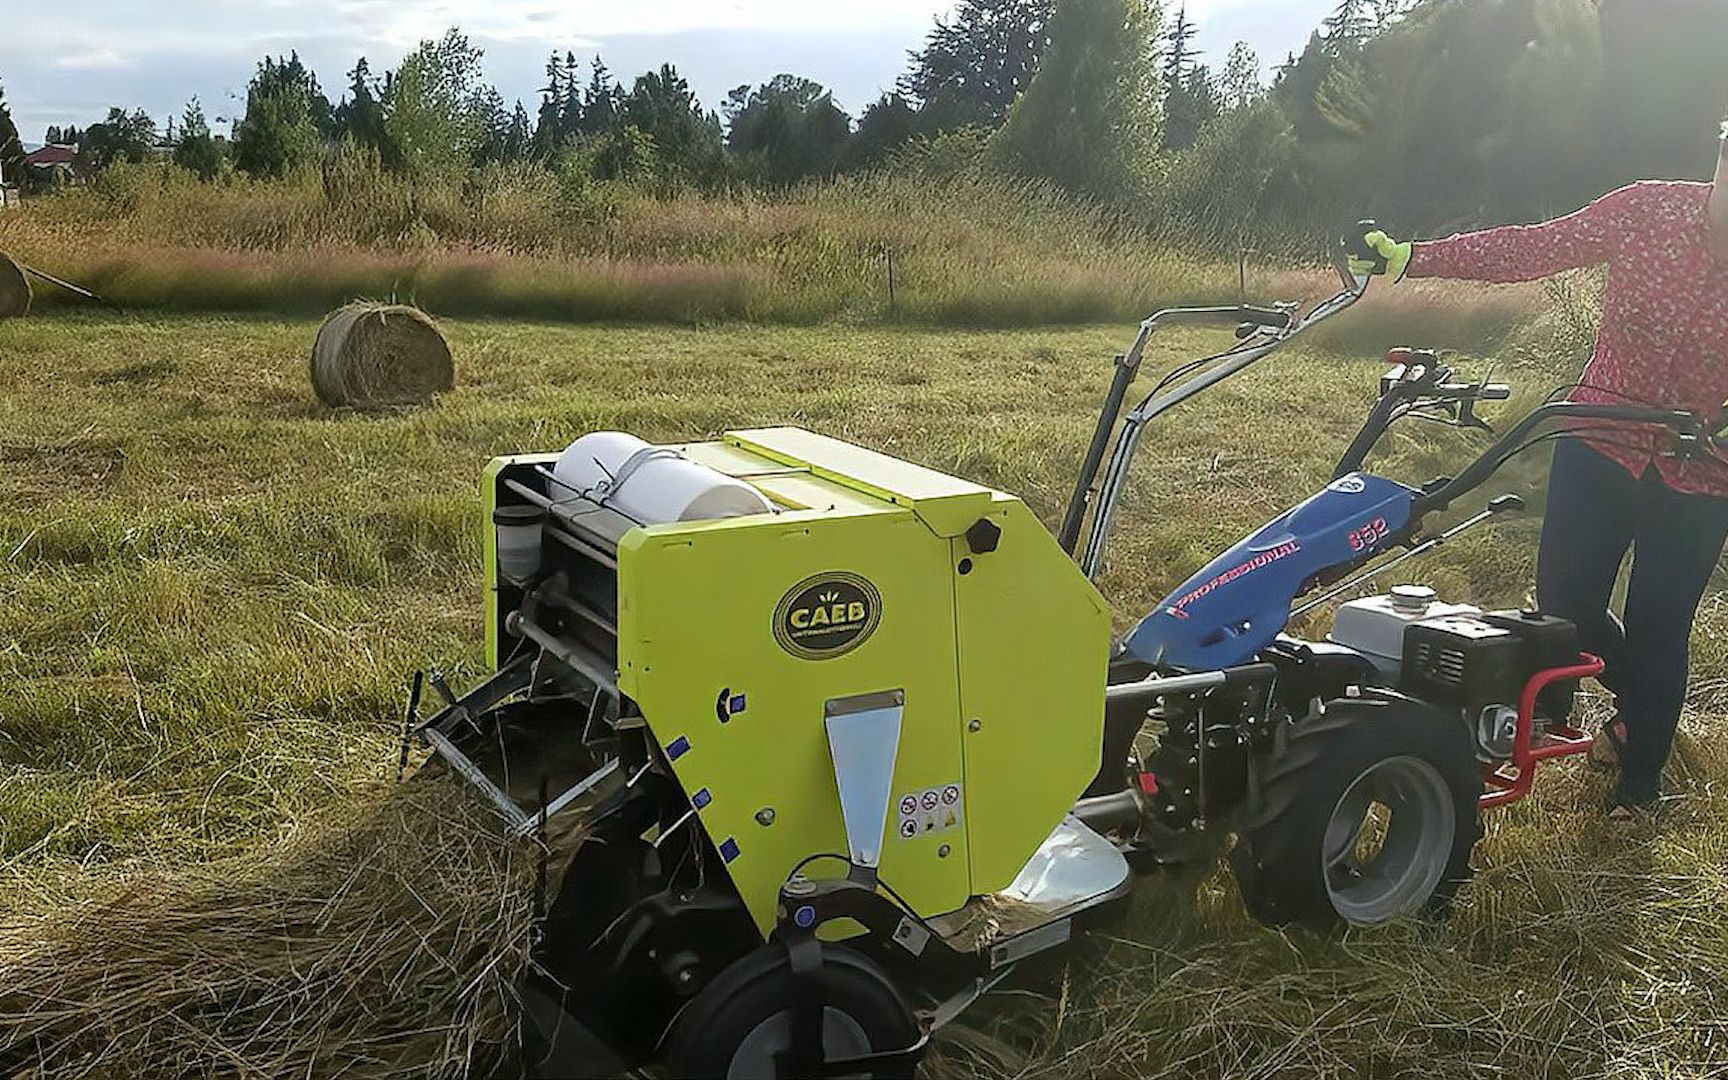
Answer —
(805, 1056)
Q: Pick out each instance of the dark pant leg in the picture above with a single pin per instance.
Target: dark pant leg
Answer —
(1592, 504)
(1678, 541)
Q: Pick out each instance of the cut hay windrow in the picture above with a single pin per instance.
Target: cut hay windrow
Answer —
(15, 293)
(383, 940)
(370, 356)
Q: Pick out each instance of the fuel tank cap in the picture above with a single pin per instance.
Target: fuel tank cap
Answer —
(1412, 599)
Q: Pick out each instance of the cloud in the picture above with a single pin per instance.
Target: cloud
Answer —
(93, 60)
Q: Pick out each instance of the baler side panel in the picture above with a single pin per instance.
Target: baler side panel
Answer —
(1034, 640)
(741, 717)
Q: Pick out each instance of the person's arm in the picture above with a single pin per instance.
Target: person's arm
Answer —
(1531, 252)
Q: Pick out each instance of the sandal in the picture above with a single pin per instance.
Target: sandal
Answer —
(1630, 806)
(1627, 812)
(1610, 745)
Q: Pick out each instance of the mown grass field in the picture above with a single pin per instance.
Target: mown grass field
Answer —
(212, 591)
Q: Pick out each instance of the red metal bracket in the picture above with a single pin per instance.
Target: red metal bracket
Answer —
(1560, 741)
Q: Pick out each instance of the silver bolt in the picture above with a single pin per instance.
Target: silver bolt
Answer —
(765, 816)
(974, 725)
(942, 852)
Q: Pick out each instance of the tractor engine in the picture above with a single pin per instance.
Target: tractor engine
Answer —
(1464, 660)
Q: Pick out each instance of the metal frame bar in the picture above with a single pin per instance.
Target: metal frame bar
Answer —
(1526, 752)
(584, 663)
(1225, 365)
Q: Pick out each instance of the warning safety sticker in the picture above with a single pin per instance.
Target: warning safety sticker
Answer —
(932, 810)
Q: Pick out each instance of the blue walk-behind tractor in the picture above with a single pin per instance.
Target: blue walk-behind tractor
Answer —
(845, 740)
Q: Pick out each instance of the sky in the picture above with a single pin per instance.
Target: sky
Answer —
(69, 61)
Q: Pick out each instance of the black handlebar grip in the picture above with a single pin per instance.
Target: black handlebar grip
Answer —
(1357, 245)
(1270, 318)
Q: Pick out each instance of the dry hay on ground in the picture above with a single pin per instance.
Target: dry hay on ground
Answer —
(14, 289)
(370, 356)
(384, 939)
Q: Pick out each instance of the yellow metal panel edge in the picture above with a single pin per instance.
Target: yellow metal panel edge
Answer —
(735, 461)
(947, 512)
(1033, 640)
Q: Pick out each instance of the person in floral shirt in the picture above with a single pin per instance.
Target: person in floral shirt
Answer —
(1614, 489)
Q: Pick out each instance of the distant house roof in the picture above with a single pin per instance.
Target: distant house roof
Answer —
(50, 155)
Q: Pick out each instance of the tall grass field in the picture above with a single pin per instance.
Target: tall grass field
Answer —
(212, 589)
(965, 250)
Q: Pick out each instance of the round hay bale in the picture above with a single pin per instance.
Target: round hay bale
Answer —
(370, 356)
(14, 289)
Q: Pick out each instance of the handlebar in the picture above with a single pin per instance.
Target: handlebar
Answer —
(1260, 330)
(1685, 425)
(1356, 245)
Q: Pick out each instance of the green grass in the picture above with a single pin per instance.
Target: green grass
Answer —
(212, 590)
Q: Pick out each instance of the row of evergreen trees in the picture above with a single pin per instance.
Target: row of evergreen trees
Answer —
(1428, 112)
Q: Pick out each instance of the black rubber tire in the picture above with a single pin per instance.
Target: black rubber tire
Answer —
(711, 1029)
(1277, 859)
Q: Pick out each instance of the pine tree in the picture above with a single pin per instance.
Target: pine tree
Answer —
(1189, 101)
(974, 66)
(686, 140)
(600, 103)
(361, 115)
(1179, 51)
(546, 131)
(488, 105)
(196, 150)
(1350, 24)
(519, 143)
(570, 108)
(11, 146)
(286, 119)
(1090, 122)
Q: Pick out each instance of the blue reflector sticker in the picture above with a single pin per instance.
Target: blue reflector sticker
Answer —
(702, 799)
(729, 849)
(678, 748)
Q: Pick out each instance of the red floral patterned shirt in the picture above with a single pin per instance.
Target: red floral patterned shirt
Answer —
(1664, 338)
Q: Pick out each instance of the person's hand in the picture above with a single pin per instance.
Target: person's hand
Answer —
(1391, 257)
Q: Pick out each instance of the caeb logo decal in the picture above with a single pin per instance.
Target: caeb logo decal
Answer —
(827, 615)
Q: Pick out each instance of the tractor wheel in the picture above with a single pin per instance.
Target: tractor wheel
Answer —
(741, 1021)
(1366, 814)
